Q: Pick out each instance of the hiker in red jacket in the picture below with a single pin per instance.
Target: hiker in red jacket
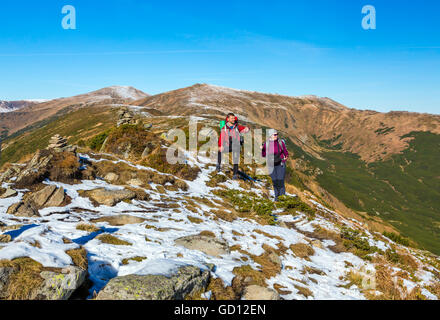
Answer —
(277, 153)
(230, 141)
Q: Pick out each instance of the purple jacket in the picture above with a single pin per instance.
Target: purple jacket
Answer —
(275, 147)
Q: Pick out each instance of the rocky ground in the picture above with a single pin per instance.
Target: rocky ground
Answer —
(98, 225)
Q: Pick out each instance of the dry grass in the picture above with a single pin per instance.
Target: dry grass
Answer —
(224, 215)
(268, 235)
(87, 227)
(302, 250)
(109, 239)
(194, 219)
(279, 288)
(79, 257)
(24, 280)
(219, 291)
(137, 259)
(255, 276)
(304, 291)
(207, 233)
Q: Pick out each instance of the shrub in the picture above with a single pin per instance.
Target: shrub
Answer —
(293, 204)
(97, 141)
(397, 238)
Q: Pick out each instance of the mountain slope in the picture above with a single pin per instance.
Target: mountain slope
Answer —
(133, 219)
(368, 165)
(382, 164)
(30, 115)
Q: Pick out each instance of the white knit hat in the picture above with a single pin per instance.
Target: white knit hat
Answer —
(271, 132)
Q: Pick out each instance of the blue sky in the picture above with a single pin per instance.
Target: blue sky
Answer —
(286, 47)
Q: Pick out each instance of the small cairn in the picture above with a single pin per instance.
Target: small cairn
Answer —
(59, 144)
(125, 117)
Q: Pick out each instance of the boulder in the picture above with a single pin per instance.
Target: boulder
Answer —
(254, 292)
(42, 196)
(187, 281)
(23, 209)
(8, 193)
(109, 197)
(61, 285)
(50, 196)
(111, 177)
(135, 182)
(209, 245)
(56, 199)
(5, 273)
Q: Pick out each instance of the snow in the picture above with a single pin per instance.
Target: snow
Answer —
(165, 225)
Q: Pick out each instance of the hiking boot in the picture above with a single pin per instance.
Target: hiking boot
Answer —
(235, 177)
(218, 168)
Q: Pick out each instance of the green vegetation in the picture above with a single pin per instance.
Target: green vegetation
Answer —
(78, 125)
(97, 141)
(397, 238)
(294, 204)
(250, 203)
(352, 239)
(404, 190)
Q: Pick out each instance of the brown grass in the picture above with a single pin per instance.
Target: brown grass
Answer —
(24, 280)
(304, 291)
(207, 234)
(279, 288)
(79, 257)
(137, 259)
(194, 219)
(109, 239)
(87, 227)
(219, 291)
(302, 250)
(224, 215)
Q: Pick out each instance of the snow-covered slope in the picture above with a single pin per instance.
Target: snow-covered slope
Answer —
(323, 274)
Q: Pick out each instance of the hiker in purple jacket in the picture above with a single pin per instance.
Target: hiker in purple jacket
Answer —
(277, 154)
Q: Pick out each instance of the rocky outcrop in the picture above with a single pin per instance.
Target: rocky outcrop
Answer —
(59, 144)
(125, 117)
(54, 284)
(8, 193)
(5, 273)
(109, 198)
(209, 245)
(50, 196)
(61, 285)
(23, 209)
(187, 281)
(255, 292)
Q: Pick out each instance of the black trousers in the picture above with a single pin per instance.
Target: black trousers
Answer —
(278, 175)
(235, 158)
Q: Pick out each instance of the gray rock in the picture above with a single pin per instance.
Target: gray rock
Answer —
(209, 245)
(5, 273)
(187, 281)
(23, 209)
(56, 199)
(110, 197)
(254, 292)
(42, 196)
(60, 286)
(111, 177)
(8, 193)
